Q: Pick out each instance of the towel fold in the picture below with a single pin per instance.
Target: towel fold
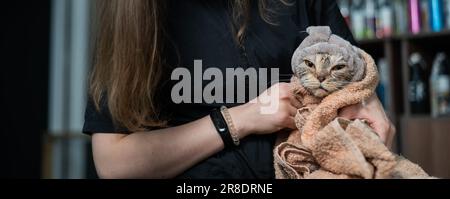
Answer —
(343, 150)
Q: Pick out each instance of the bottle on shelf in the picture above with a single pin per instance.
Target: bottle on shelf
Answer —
(371, 19)
(386, 19)
(440, 86)
(401, 16)
(436, 15)
(425, 15)
(418, 86)
(415, 16)
(383, 18)
(357, 18)
(447, 12)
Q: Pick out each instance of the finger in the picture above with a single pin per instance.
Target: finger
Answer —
(294, 102)
(382, 133)
(391, 138)
(291, 123)
(292, 110)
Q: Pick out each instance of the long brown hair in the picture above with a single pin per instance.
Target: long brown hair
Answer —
(129, 63)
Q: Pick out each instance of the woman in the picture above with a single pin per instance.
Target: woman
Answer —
(139, 132)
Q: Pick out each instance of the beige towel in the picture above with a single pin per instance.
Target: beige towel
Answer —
(334, 148)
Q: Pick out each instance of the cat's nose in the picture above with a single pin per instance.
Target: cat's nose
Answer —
(321, 78)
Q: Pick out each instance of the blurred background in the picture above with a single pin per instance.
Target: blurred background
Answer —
(410, 40)
(46, 56)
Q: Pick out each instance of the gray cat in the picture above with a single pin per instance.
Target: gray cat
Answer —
(325, 63)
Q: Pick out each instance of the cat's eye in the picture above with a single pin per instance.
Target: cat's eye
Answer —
(338, 67)
(309, 64)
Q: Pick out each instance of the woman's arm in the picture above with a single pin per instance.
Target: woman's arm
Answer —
(169, 152)
(158, 154)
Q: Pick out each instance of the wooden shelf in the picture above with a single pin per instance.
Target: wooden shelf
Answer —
(427, 35)
(374, 41)
(407, 36)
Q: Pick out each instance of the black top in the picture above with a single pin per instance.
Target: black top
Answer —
(201, 29)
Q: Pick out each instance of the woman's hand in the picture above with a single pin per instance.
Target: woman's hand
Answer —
(373, 112)
(258, 117)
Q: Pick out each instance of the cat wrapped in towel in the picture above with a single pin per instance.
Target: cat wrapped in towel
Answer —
(330, 74)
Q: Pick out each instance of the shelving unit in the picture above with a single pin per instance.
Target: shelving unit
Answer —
(421, 138)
